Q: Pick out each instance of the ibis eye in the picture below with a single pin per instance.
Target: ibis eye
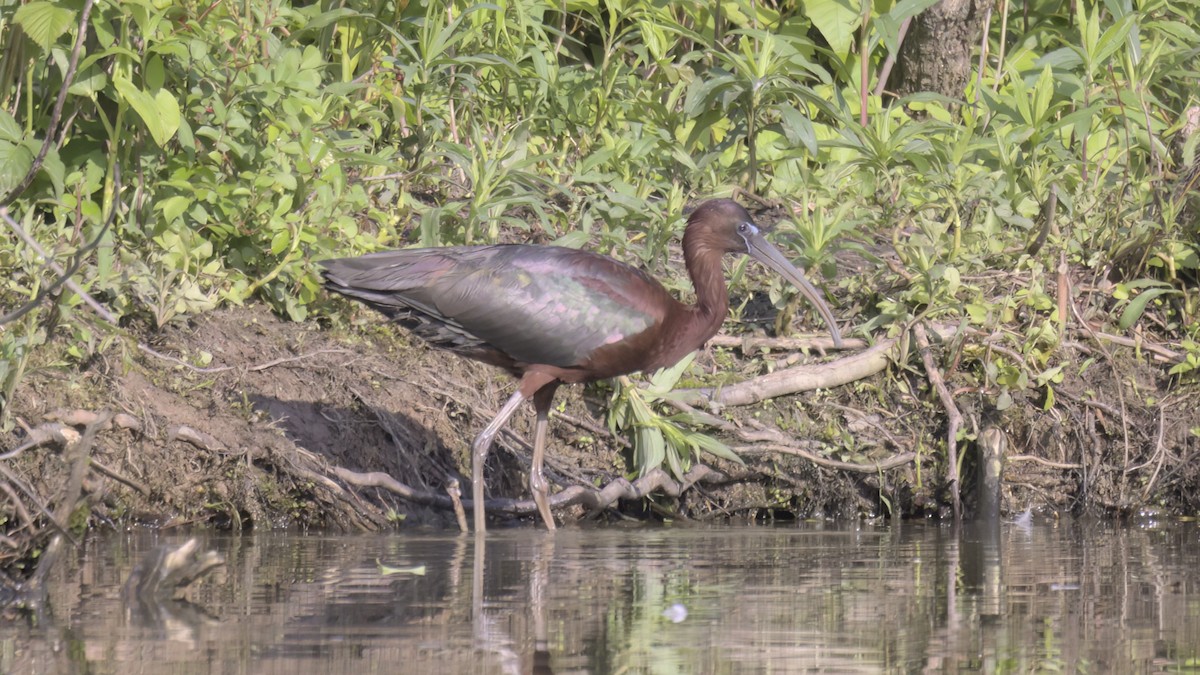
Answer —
(743, 227)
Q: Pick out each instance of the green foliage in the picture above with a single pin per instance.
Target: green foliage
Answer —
(656, 439)
(254, 138)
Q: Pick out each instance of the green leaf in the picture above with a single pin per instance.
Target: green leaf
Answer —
(714, 447)
(837, 20)
(651, 449)
(52, 167)
(44, 22)
(798, 128)
(160, 112)
(173, 207)
(664, 380)
(1138, 305)
(10, 130)
(1114, 38)
(15, 161)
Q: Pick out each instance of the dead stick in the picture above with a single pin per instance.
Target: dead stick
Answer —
(588, 496)
(18, 505)
(120, 478)
(803, 378)
(953, 415)
(887, 464)
(460, 513)
(79, 454)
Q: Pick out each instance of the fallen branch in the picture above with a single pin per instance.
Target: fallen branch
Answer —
(793, 380)
(890, 463)
(749, 343)
(51, 433)
(1044, 462)
(82, 418)
(589, 497)
(804, 378)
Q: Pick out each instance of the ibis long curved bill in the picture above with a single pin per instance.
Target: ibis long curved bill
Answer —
(763, 251)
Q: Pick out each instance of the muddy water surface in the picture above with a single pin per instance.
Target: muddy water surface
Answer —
(1096, 598)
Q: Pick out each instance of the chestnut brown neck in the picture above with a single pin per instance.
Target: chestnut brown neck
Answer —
(703, 262)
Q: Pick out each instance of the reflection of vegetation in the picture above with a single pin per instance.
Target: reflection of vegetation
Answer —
(260, 137)
(638, 625)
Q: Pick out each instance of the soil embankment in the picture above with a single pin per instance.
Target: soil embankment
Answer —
(290, 424)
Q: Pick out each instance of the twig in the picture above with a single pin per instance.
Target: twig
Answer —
(620, 488)
(301, 357)
(954, 417)
(12, 478)
(121, 478)
(460, 513)
(1045, 462)
(197, 438)
(176, 360)
(18, 505)
(889, 463)
(1154, 348)
(1160, 452)
(64, 275)
(82, 418)
(588, 425)
(252, 369)
(885, 70)
(748, 343)
(1096, 335)
(78, 454)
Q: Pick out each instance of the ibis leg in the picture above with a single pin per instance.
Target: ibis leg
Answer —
(538, 484)
(479, 453)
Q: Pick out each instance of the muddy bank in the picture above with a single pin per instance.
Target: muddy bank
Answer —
(254, 421)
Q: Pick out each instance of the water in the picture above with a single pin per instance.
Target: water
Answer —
(1062, 596)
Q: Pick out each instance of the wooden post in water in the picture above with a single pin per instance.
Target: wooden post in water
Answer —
(992, 444)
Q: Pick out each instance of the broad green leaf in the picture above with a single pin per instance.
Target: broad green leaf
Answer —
(651, 449)
(798, 128)
(9, 129)
(1114, 37)
(44, 22)
(574, 239)
(89, 82)
(159, 112)
(15, 162)
(173, 207)
(664, 380)
(837, 21)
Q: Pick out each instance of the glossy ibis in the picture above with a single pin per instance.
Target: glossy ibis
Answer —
(551, 315)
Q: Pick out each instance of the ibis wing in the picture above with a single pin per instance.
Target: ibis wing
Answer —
(536, 304)
(547, 305)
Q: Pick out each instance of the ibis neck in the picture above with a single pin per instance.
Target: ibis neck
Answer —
(712, 297)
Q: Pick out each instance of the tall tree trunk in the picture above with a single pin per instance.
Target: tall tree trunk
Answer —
(936, 53)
